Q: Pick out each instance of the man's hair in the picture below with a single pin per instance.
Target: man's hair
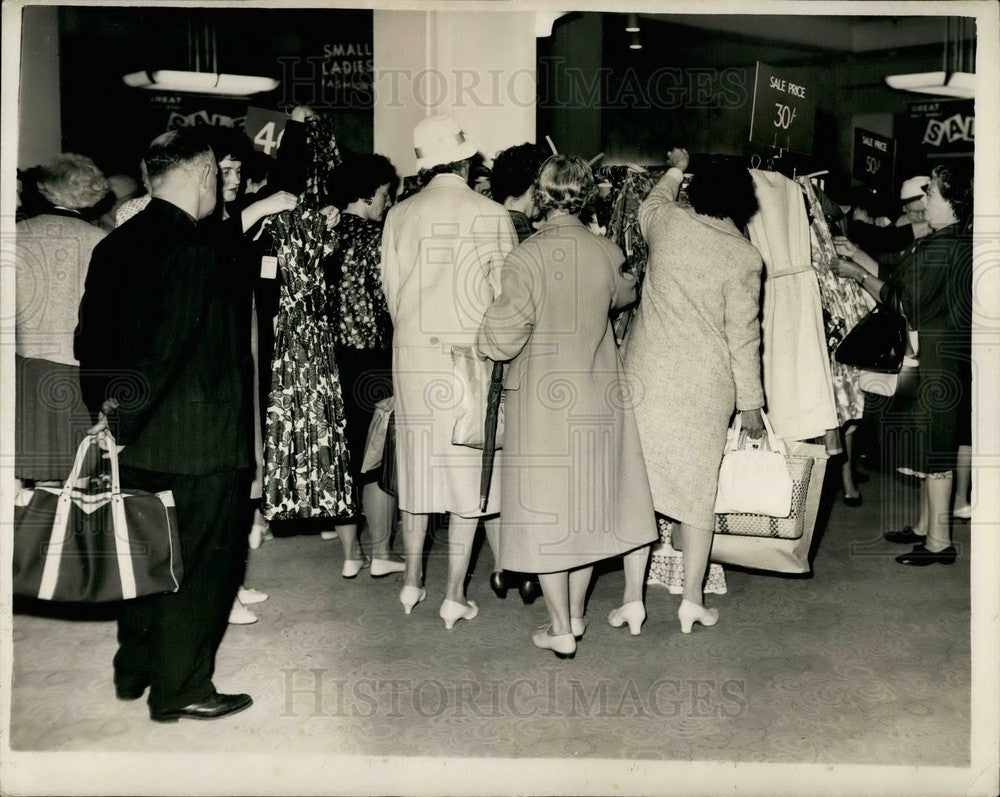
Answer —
(175, 149)
(359, 177)
(515, 170)
(72, 181)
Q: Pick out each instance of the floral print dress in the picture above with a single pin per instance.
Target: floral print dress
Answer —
(306, 468)
(844, 305)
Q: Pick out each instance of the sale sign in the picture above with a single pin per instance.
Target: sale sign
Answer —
(784, 111)
(874, 156)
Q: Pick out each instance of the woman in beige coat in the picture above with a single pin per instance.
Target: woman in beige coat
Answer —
(442, 250)
(574, 488)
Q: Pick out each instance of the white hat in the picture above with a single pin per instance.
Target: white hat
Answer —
(438, 139)
(913, 188)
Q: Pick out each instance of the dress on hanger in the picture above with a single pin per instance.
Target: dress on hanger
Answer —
(306, 463)
(796, 362)
(844, 305)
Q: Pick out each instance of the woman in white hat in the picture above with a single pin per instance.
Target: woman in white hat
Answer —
(442, 250)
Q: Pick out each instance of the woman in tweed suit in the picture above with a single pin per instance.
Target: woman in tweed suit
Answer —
(694, 352)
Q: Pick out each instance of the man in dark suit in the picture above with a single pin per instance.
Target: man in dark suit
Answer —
(165, 360)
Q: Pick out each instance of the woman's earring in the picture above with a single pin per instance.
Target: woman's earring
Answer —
(368, 201)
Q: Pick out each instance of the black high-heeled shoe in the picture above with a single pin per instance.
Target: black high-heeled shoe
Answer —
(530, 590)
(498, 584)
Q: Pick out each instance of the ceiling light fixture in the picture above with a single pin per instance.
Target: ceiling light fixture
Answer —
(196, 81)
(957, 76)
(632, 23)
(634, 43)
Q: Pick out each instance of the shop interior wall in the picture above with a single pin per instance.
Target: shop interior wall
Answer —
(704, 96)
(112, 123)
(40, 132)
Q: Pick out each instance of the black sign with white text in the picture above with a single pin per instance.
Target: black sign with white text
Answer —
(874, 156)
(784, 111)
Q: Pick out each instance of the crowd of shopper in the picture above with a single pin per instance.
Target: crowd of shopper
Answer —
(244, 320)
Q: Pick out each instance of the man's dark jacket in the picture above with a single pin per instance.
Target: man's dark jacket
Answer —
(164, 328)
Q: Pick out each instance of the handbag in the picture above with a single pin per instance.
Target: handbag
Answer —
(90, 541)
(876, 343)
(472, 378)
(377, 429)
(754, 476)
(780, 545)
(904, 384)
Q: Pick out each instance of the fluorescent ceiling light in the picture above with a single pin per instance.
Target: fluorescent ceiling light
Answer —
(632, 25)
(943, 84)
(199, 82)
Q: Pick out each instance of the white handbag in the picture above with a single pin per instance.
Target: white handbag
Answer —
(754, 476)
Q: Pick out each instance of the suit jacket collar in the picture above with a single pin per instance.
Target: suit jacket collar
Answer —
(447, 180)
(561, 221)
(169, 209)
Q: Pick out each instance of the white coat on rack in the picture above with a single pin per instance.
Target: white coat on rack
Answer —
(795, 361)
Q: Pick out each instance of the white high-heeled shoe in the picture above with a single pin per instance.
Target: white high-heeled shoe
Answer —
(249, 596)
(690, 613)
(579, 626)
(241, 615)
(453, 611)
(354, 566)
(383, 567)
(411, 596)
(633, 613)
(563, 645)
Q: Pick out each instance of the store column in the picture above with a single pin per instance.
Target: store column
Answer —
(478, 66)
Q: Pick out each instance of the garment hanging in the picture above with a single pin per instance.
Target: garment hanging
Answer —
(796, 363)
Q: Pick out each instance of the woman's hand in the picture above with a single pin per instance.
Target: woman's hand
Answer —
(847, 269)
(332, 216)
(278, 202)
(844, 247)
(752, 423)
(678, 158)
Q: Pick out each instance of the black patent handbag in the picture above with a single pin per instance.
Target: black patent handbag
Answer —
(876, 343)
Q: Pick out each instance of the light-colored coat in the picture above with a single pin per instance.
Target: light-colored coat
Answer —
(442, 251)
(574, 488)
(693, 352)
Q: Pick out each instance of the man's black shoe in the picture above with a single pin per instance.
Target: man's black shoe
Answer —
(211, 708)
(125, 692)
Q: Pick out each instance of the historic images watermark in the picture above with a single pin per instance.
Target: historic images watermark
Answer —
(319, 692)
(306, 81)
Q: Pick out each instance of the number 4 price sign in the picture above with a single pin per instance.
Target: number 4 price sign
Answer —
(265, 129)
(784, 111)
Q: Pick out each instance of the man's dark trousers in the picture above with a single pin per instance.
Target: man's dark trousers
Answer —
(169, 640)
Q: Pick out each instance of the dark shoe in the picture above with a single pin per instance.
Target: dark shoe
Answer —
(905, 536)
(853, 501)
(498, 584)
(921, 557)
(530, 590)
(128, 692)
(211, 708)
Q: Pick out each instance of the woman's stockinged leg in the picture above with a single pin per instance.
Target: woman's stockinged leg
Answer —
(634, 564)
(579, 580)
(938, 487)
(555, 591)
(697, 545)
(414, 533)
(461, 534)
(379, 508)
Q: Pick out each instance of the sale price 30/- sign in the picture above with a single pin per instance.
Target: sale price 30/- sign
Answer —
(784, 111)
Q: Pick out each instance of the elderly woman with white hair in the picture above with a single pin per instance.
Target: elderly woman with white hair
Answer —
(573, 480)
(52, 253)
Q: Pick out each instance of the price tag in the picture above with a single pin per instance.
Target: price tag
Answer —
(269, 267)
(784, 110)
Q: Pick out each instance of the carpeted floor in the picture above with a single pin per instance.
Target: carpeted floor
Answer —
(843, 667)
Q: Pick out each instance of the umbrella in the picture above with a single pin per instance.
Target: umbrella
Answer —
(493, 398)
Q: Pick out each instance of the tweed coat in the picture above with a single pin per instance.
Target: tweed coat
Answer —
(693, 353)
(442, 251)
(574, 488)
